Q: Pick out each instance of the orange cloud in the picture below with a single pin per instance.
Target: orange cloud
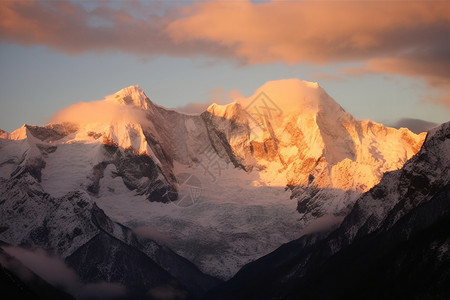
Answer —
(69, 27)
(99, 111)
(287, 31)
(399, 37)
(314, 31)
(396, 37)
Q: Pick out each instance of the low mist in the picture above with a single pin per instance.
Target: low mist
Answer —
(55, 271)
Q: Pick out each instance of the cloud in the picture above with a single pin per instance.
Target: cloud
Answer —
(72, 28)
(396, 37)
(166, 292)
(153, 234)
(314, 31)
(102, 290)
(100, 111)
(51, 269)
(391, 37)
(415, 125)
(323, 223)
(15, 266)
(287, 31)
(54, 271)
(432, 67)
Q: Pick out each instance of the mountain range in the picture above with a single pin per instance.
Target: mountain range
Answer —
(123, 191)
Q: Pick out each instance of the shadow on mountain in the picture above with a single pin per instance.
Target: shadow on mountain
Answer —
(383, 265)
(19, 282)
(394, 244)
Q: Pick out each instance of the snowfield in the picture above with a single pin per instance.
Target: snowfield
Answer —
(232, 223)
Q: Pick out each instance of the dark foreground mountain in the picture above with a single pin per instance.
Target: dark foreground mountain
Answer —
(19, 282)
(395, 243)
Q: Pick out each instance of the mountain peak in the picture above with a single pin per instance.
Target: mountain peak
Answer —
(442, 131)
(227, 111)
(3, 134)
(293, 96)
(132, 95)
(284, 97)
(20, 133)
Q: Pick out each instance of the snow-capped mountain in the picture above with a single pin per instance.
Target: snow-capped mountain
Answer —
(295, 134)
(395, 243)
(298, 134)
(128, 158)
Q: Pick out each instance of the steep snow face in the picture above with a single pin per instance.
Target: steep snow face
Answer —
(19, 133)
(132, 95)
(298, 135)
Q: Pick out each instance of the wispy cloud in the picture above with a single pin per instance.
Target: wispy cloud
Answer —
(432, 66)
(99, 111)
(323, 223)
(415, 125)
(55, 271)
(151, 233)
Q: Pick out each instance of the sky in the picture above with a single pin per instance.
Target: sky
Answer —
(388, 61)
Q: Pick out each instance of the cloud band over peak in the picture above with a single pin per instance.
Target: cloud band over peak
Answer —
(397, 37)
